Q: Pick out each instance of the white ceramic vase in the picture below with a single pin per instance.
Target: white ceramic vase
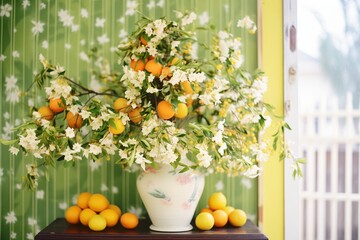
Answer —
(170, 198)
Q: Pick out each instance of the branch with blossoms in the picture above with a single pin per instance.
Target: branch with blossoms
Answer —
(164, 107)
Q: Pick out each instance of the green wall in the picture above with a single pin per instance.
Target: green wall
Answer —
(23, 212)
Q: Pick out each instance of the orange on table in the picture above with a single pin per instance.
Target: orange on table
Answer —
(138, 65)
(129, 220)
(82, 199)
(120, 105)
(46, 113)
(74, 121)
(217, 201)
(206, 210)
(228, 209)
(220, 217)
(165, 110)
(97, 223)
(98, 202)
(115, 208)
(181, 111)
(153, 67)
(204, 221)
(56, 105)
(237, 218)
(72, 214)
(85, 216)
(135, 115)
(111, 217)
(118, 127)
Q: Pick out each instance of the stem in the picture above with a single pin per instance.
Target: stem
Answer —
(89, 91)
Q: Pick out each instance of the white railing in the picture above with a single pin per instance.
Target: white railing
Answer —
(330, 189)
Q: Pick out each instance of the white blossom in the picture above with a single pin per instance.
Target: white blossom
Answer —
(100, 22)
(84, 13)
(25, 3)
(38, 27)
(10, 217)
(13, 150)
(2, 57)
(204, 18)
(13, 235)
(151, 4)
(160, 3)
(69, 132)
(45, 44)
(42, 6)
(5, 10)
(32, 221)
(94, 149)
(40, 194)
(103, 39)
(203, 156)
(15, 54)
(131, 7)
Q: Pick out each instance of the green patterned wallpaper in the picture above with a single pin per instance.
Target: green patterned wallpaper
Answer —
(64, 31)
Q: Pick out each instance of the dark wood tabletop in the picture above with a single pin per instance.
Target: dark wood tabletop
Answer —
(60, 229)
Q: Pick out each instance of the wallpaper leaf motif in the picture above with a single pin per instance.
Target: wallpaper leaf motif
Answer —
(66, 31)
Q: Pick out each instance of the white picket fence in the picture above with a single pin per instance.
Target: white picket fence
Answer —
(330, 190)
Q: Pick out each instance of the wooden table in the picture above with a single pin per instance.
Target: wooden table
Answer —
(60, 229)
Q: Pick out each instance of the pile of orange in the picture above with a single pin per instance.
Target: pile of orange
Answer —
(96, 212)
(218, 214)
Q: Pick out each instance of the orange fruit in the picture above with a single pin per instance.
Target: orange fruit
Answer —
(153, 67)
(111, 217)
(85, 216)
(72, 214)
(206, 210)
(189, 102)
(98, 202)
(143, 40)
(129, 220)
(165, 110)
(120, 105)
(220, 217)
(204, 221)
(46, 113)
(181, 111)
(117, 127)
(237, 218)
(56, 105)
(186, 87)
(82, 199)
(138, 65)
(228, 209)
(166, 72)
(174, 61)
(115, 208)
(135, 115)
(97, 223)
(74, 121)
(217, 201)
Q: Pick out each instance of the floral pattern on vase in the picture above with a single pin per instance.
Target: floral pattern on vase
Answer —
(170, 197)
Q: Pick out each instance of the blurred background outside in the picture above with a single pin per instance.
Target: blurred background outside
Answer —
(329, 96)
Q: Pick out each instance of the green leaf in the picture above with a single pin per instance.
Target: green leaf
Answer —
(286, 125)
(275, 142)
(8, 142)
